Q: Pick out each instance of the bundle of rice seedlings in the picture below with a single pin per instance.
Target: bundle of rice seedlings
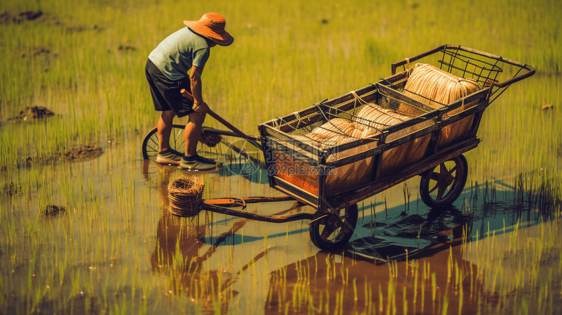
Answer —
(372, 119)
(427, 83)
(186, 195)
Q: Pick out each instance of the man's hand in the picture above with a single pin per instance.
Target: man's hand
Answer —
(201, 108)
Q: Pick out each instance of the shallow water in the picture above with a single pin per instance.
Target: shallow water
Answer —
(117, 247)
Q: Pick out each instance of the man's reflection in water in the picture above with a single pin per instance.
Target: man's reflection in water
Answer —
(177, 254)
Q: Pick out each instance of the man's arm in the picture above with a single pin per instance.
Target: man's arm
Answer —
(195, 77)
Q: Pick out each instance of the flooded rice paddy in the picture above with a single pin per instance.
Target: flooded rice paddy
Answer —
(97, 237)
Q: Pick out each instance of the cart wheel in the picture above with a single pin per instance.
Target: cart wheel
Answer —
(329, 233)
(150, 144)
(443, 184)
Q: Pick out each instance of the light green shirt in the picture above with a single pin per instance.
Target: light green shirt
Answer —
(176, 54)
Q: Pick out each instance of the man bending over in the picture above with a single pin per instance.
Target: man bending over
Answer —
(166, 72)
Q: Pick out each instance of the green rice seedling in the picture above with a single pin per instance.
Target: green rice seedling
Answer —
(404, 301)
(327, 307)
(449, 264)
(381, 304)
(445, 306)
(433, 287)
(415, 289)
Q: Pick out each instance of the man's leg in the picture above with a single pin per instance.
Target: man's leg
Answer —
(165, 128)
(193, 132)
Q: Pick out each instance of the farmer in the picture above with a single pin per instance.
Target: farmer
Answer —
(166, 72)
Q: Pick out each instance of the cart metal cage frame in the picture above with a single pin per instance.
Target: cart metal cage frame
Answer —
(330, 178)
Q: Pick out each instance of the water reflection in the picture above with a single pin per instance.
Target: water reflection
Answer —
(330, 284)
(426, 250)
(180, 255)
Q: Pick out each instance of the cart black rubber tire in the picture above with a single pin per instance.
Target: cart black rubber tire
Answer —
(149, 148)
(341, 238)
(454, 184)
(150, 144)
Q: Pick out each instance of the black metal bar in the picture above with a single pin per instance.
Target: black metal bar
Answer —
(467, 71)
(453, 58)
(531, 70)
(478, 60)
(506, 87)
(426, 98)
(377, 166)
(404, 98)
(378, 185)
(322, 187)
(442, 58)
(434, 144)
(266, 199)
(266, 154)
(467, 99)
(273, 144)
(258, 217)
(387, 146)
(381, 148)
(279, 135)
(414, 58)
(476, 123)
(294, 191)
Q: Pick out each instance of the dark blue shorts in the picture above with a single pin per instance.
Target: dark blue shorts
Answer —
(166, 94)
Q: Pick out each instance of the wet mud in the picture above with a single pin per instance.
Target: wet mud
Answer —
(32, 113)
(78, 304)
(40, 51)
(79, 154)
(83, 153)
(11, 189)
(126, 48)
(17, 18)
(52, 210)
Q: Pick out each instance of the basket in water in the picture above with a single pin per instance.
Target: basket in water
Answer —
(185, 194)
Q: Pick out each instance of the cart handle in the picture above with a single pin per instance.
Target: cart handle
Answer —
(530, 70)
(187, 95)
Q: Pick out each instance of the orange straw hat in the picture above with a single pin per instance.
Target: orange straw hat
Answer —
(211, 26)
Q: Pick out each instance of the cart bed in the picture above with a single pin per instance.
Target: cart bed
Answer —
(338, 176)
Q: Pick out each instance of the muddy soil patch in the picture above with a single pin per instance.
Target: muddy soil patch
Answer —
(126, 48)
(79, 154)
(11, 189)
(33, 112)
(40, 51)
(9, 17)
(83, 153)
(52, 210)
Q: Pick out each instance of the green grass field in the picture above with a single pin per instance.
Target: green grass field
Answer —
(286, 56)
